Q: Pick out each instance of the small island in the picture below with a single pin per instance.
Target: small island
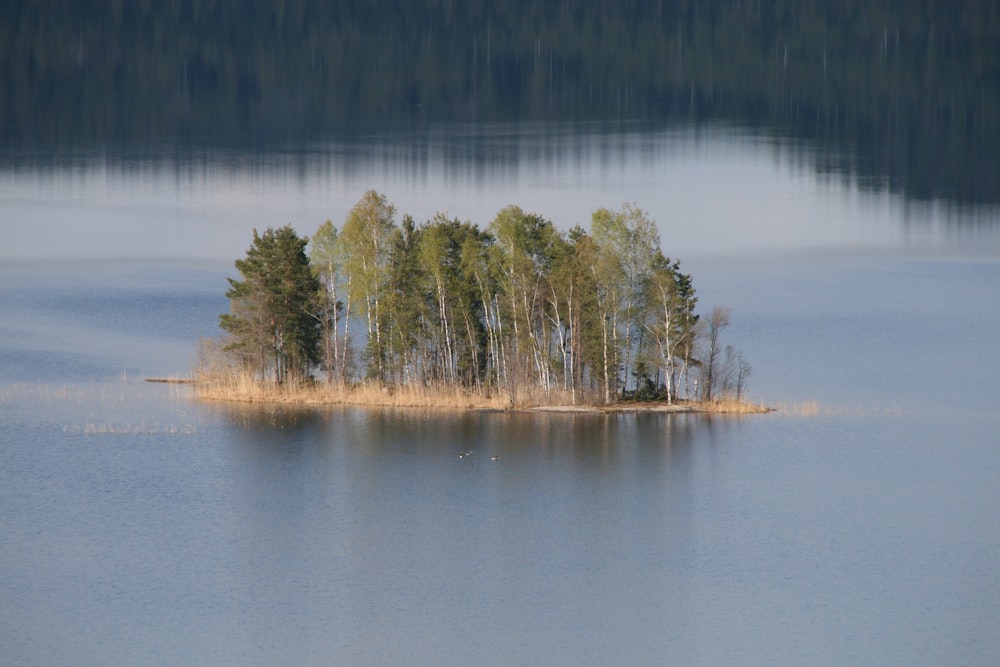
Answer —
(515, 316)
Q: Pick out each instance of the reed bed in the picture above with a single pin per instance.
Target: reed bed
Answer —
(170, 379)
(127, 428)
(732, 406)
(246, 388)
(721, 406)
(817, 409)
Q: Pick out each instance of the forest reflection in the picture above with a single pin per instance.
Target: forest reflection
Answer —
(901, 97)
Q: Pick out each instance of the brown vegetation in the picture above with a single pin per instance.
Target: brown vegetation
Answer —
(729, 406)
(518, 315)
(816, 409)
(245, 388)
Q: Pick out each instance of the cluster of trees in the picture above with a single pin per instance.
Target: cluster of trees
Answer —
(516, 308)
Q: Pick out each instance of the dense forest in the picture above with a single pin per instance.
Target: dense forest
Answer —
(519, 309)
(902, 95)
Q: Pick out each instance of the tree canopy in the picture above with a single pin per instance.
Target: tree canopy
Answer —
(273, 323)
(518, 309)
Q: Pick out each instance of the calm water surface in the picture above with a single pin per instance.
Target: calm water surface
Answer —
(139, 526)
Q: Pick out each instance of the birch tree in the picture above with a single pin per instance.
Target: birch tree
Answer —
(478, 273)
(628, 242)
(522, 258)
(365, 240)
(326, 261)
(459, 313)
(670, 303)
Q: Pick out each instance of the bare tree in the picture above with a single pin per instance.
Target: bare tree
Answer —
(743, 369)
(733, 375)
(711, 368)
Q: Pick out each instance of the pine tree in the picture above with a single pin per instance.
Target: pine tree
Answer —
(272, 324)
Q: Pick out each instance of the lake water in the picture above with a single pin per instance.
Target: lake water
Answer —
(857, 525)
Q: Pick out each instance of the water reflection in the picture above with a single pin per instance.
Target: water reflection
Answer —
(272, 431)
(361, 534)
(713, 191)
(595, 445)
(903, 99)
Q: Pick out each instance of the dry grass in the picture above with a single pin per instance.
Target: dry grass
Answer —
(112, 396)
(127, 428)
(723, 406)
(816, 409)
(245, 388)
(732, 406)
(803, 409)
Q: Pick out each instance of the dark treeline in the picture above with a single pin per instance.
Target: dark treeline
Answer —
(518, 309)
(903, 95)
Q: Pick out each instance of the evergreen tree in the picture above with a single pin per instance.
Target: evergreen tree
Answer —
(519, 308)
(457, 315)
(574, 278)
(406, 306)
(272, 323)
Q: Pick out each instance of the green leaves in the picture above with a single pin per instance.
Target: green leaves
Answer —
(364, 243)
(271, 320)
(520, 308)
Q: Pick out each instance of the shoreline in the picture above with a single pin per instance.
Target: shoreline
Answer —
(445, 398)
(635, 407)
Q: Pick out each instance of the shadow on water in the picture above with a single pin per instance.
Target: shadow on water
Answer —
(596, 444)
(278, 432)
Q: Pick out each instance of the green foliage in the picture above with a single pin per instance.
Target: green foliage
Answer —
(627, 243)
(670, 320)
(405, 302)
(522, 257)
(517, 309)
(272, 321)
(326, 261)
(456, 317)
(365, 243)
